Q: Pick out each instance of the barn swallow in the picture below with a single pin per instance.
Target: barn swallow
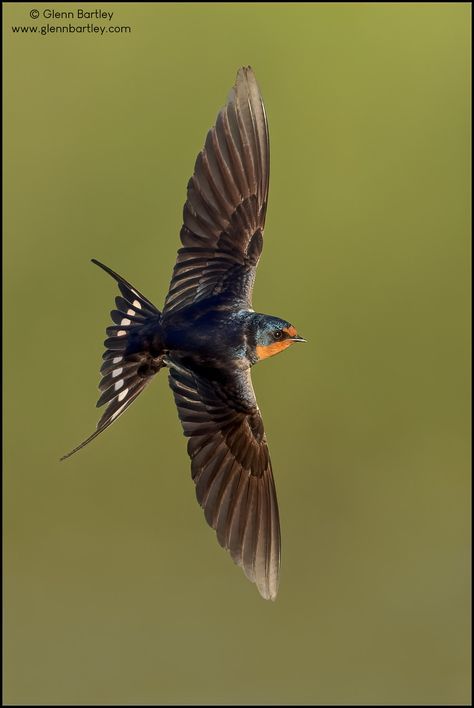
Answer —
(209, 337)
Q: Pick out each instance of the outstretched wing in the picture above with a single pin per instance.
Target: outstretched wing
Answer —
(231, 468)
(224, 214)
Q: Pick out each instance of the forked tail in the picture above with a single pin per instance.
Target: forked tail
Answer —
(133, 354)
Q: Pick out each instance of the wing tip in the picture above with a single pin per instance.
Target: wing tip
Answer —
(245, 70)
(245, 75)
(268, 593)
(244, 79)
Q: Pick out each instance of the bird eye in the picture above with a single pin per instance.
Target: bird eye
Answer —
(277, 334)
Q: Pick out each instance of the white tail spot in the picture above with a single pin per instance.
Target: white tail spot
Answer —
(116, 359)
(121, 333)
(117, 372)
(137, 304)
(125, 321)
(118, 385)
(131, 312)
(119, 410)
(122, 395)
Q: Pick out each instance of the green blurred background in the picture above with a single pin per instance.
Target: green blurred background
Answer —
(116, 591)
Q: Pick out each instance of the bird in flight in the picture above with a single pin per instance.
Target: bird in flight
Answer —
(208, 337)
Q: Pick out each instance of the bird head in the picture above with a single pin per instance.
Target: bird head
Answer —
(273, 335)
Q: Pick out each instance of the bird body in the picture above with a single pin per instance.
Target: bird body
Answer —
(226, 337)
(208, 337)
(215, 337)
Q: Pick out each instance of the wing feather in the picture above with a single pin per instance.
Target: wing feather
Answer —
(231, 468)
(224, 214)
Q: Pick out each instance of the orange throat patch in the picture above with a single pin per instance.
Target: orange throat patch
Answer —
(263, 352)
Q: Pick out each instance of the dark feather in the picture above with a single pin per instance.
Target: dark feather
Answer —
(231, 468)
(125, 373)
(224, 214)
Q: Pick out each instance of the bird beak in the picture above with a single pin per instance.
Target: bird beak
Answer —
(298, 339)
